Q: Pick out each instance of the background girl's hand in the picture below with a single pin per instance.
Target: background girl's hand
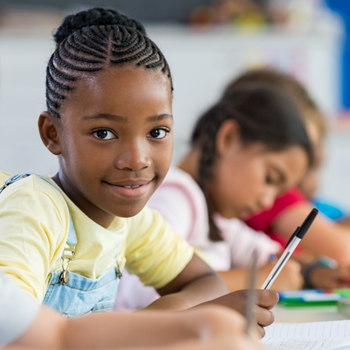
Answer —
(290, 277)
(265, 301)
(325, 278)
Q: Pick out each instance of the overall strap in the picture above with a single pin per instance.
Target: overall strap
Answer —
(72, 237)
(69, 250)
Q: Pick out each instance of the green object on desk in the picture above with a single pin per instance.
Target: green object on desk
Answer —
(313, 297)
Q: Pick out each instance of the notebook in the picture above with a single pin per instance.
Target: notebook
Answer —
(332, 335)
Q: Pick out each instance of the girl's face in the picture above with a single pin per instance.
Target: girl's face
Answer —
(116, 142)
(247, 179)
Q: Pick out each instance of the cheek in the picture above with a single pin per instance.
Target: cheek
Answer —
(162, 156)
(80, 157)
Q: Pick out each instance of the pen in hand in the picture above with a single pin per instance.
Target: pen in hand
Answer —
(293, 242)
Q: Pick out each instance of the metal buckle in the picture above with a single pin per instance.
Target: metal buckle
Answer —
(68, 254)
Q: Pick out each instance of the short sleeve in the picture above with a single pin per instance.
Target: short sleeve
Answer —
(173, 204)
(154, 251)
(264, 220)
(18, 311)
(33, 234)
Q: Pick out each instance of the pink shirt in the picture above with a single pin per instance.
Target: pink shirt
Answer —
(264, 220)
(182, 203)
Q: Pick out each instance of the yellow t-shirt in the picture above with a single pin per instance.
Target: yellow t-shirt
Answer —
(34, 224)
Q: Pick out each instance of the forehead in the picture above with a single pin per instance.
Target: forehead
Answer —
(123, 91)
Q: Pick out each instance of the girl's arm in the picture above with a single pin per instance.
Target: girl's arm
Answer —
(290, 277)
(323, 238)
(138, 330)
(199, 285)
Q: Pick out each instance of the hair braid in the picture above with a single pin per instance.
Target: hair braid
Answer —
(92, 35)
(91, 41)
(64, 52)
(206, 131)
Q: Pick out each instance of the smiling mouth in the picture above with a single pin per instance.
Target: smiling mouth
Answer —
(130, 191)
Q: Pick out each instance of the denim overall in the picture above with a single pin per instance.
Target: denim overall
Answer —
(69, 293)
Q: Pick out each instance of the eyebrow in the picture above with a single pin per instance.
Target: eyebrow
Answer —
(157, 118)
(105, 116)
(118, 118)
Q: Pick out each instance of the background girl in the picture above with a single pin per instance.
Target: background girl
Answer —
(327, 238)
(245, 150)
(109, 119)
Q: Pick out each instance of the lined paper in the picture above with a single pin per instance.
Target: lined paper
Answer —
(308, 336)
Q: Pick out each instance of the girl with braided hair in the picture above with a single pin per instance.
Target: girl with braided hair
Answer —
(246, 149)
(66, 239)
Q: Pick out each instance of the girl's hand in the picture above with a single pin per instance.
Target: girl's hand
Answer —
(233, 342)
(221, 328)
(290, 277)
(326, 278)
(265, 301)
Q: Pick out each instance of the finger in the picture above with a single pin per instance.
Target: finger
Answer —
(267, 298)
(264, 317)
(261, 331)
(345, 276)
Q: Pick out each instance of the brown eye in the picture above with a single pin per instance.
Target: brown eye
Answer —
(158, 133)
(104, 134)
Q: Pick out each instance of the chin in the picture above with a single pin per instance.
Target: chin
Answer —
(130, 211)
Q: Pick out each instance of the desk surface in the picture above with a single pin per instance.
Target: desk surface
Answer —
(307, 314)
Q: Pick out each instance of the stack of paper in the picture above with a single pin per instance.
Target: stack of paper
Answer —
(333, 335)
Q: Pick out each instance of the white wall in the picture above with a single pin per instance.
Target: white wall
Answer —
(202, 64)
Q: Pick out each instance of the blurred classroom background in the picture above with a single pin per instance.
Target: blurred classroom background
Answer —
(207, 43)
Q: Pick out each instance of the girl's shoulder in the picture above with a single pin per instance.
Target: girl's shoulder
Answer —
(179, 189)
(34, 194)
(182, 203)
(179, 179)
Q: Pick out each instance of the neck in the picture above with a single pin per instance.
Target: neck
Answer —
(101, 217)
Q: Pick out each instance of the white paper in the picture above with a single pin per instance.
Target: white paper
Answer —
(308, 336)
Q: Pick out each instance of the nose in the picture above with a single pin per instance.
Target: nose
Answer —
(133, 157)
(267, 199)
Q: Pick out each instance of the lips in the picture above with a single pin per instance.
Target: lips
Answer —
(129, 188)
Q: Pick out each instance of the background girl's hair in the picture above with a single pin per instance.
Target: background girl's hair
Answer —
(293, 88)
(90, 41)
(264, 116)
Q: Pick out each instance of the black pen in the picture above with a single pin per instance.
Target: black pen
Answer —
(293, 242)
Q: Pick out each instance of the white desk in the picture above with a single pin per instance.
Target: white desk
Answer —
(307, 314)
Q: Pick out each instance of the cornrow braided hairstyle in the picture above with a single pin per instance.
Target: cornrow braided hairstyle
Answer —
(91, 41)
(264, 116)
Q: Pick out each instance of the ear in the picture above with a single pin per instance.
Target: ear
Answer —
(48, 129)
(226, 136)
